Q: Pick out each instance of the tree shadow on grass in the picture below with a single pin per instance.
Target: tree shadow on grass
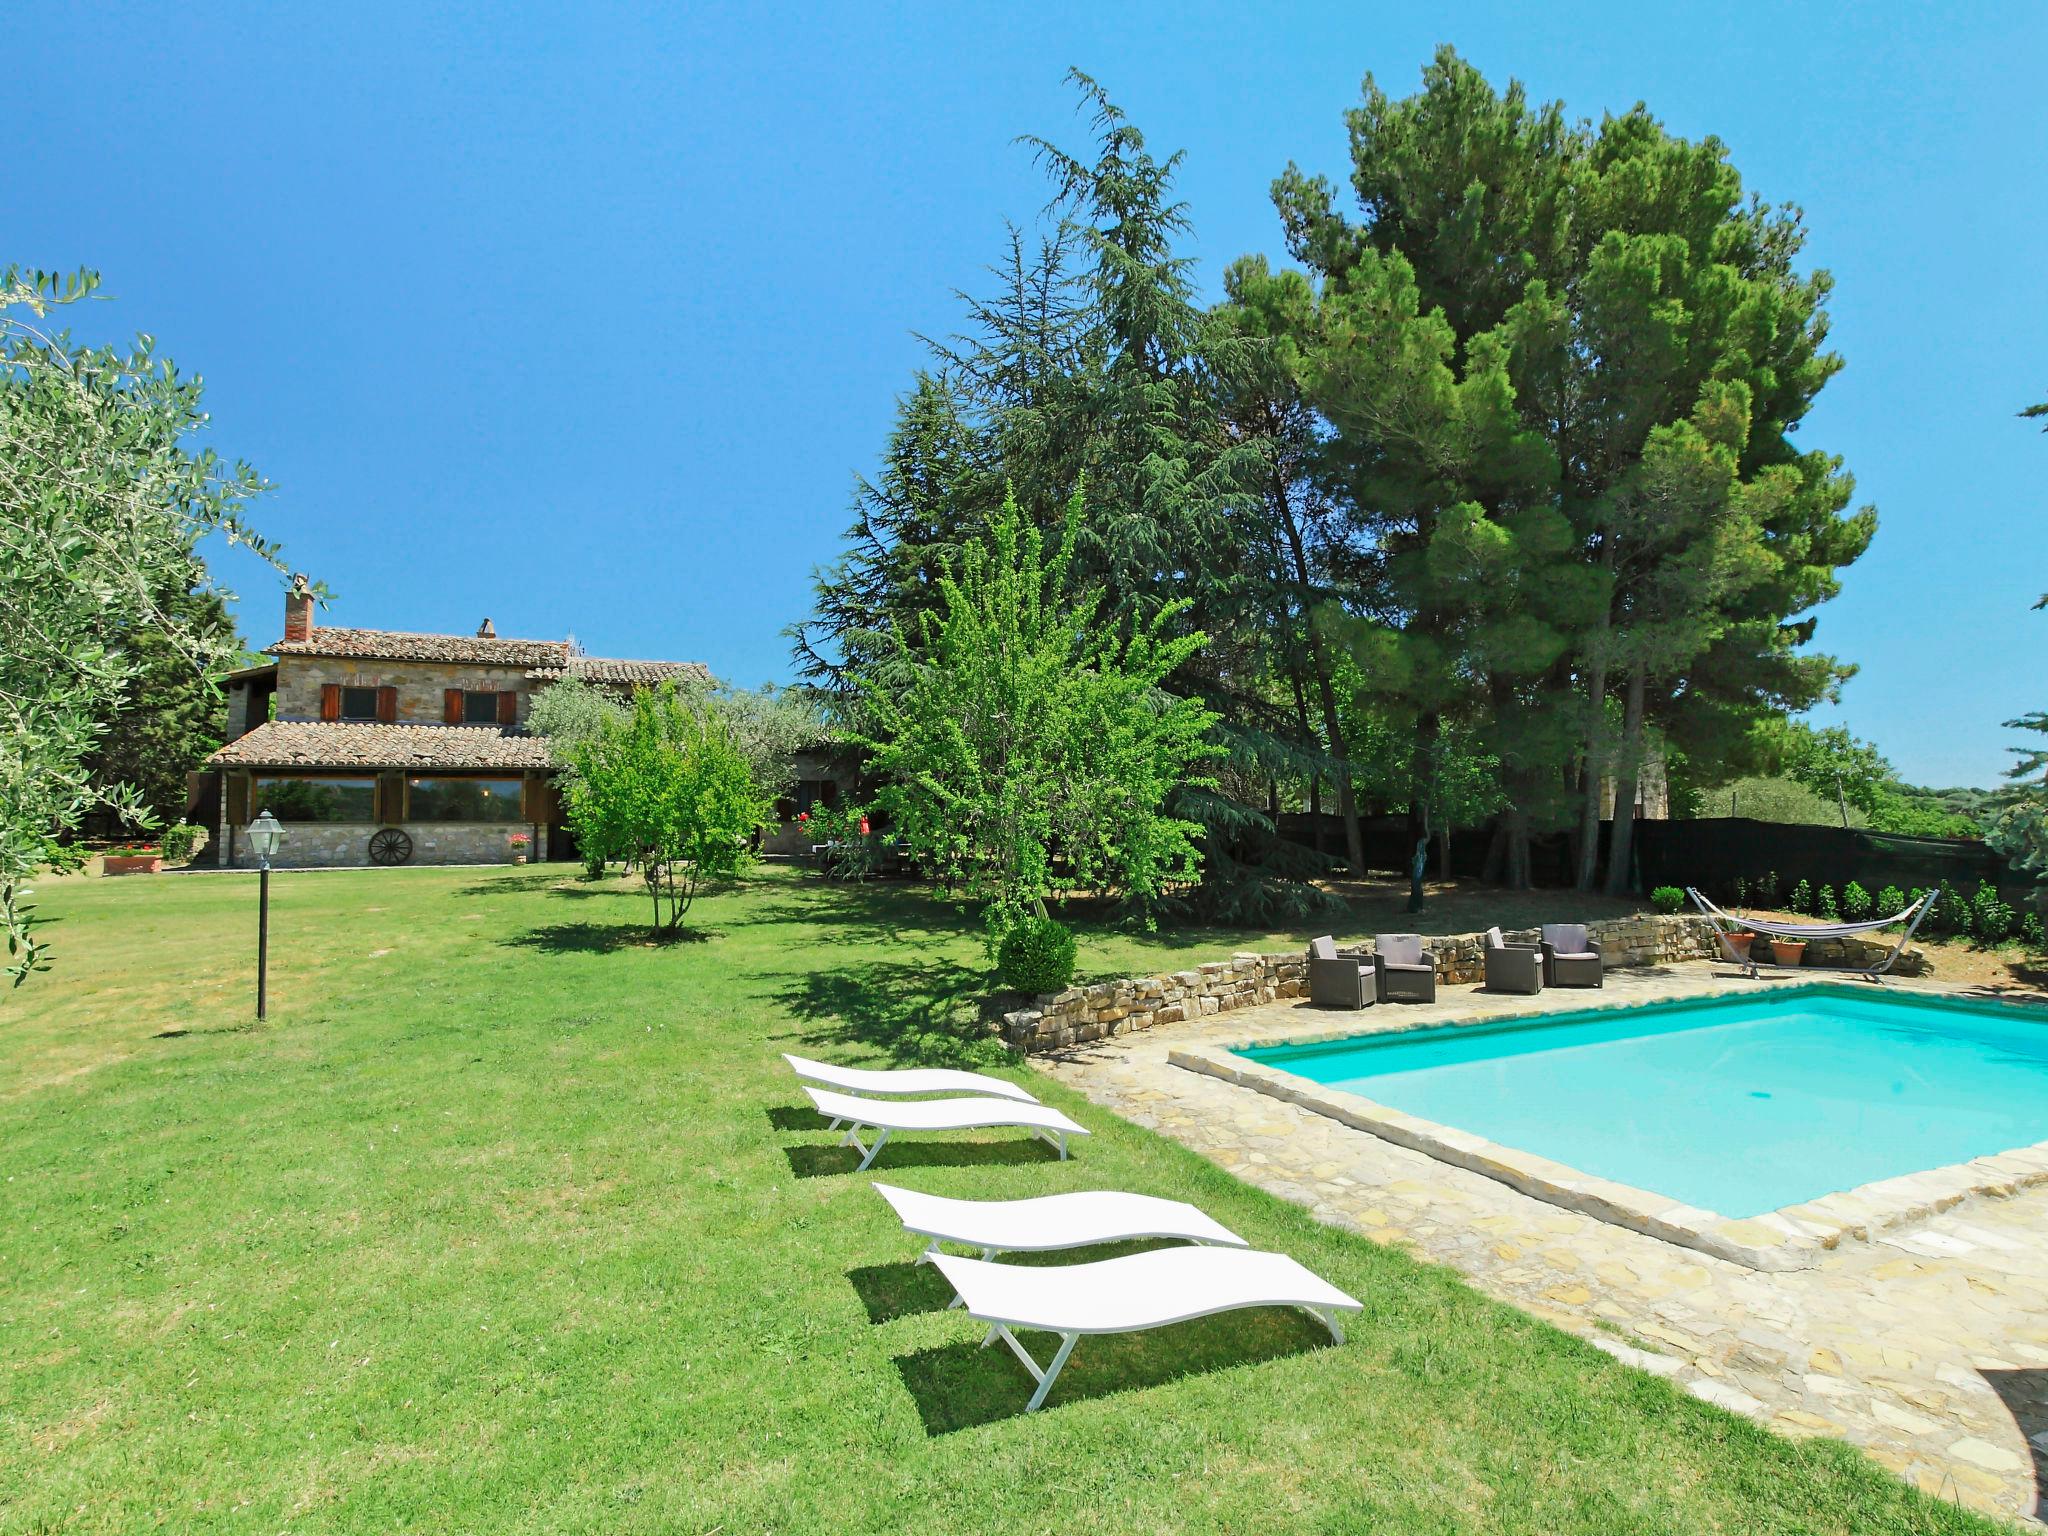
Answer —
(531, 878)
(930, 1012)
(862, 915)
(961, 1386)
(601, 938)
(796, 1117)
(814, 1161)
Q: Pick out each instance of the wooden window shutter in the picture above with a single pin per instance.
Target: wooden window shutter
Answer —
(238, 799)
(508, 709)
(330, 701)
(390, 798)
(530, 792)
(387, 706)
(451, 706)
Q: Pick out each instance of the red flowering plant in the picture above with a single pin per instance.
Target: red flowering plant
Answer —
(843, 831)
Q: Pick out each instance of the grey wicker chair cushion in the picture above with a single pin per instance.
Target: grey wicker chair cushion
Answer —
(1401, 950)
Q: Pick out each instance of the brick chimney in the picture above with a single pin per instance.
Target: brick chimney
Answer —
(298, 608)
(487, 630)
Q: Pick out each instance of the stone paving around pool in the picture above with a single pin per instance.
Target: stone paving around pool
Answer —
(1927, 1345)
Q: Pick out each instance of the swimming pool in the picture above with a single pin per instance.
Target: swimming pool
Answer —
(1739, 1105)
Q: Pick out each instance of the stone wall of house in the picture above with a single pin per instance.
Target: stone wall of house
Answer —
(238, 710)
(346, 844)
(1080, 1014)
(420, 684)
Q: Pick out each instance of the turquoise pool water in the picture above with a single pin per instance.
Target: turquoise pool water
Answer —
(1738, 1104)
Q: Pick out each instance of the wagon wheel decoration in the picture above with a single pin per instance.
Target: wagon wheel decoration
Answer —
(390, 846)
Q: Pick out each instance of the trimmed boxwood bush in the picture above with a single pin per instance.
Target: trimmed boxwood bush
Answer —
(1037, 955)
(1667, 898)
(1856, 902)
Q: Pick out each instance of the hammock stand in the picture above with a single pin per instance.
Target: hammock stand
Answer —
(1802, 932)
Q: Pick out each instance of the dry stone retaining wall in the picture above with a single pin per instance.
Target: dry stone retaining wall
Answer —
(1080, 1014)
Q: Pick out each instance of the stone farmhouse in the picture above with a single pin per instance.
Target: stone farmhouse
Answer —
(378, 746)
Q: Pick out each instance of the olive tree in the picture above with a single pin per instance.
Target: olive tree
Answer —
(102, 507)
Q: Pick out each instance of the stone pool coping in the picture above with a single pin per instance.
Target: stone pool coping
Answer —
(1794, 1237)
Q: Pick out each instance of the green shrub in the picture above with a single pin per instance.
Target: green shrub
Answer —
(1991, 917)
(1741, 892)
(178, 841)
(1037, 956)
(1767, 889)
(1855, 902)
(1667, 898)
(1802, 897)
(1824, 906)
(1891, 899)
(2031, 933)
(1951, 914)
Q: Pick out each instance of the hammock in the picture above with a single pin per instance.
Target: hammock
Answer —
(1803, 932)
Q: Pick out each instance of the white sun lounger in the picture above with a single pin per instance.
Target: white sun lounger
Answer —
(1048, 1222)
(889, 1116)
(1144, 1290)
(908, 1080)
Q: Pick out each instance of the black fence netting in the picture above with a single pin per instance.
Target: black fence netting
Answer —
(1713, 854)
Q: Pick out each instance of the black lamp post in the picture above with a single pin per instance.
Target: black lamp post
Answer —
(264, 836)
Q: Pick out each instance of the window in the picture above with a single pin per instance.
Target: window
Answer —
(817, 794)
(463, 800)
(359, 703)
(318, 799)
(464, 706)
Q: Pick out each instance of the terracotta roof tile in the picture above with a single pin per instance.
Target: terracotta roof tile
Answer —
(612, 669)
(402, 645)
(356, 744)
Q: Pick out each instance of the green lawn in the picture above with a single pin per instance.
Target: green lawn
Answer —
(510, 1222)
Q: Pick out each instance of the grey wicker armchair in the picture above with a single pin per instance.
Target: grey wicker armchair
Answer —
(1571, 957)
(1512, 967)
(1403, 971)
(1334, 980)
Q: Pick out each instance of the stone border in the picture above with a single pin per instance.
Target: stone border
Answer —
(1081, 1014)
(1792, 1238)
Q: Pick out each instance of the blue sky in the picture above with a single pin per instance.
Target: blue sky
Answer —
(588, 323)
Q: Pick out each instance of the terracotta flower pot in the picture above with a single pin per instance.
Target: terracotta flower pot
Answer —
(1740, 942)
(1788, 951)
(132, 864)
